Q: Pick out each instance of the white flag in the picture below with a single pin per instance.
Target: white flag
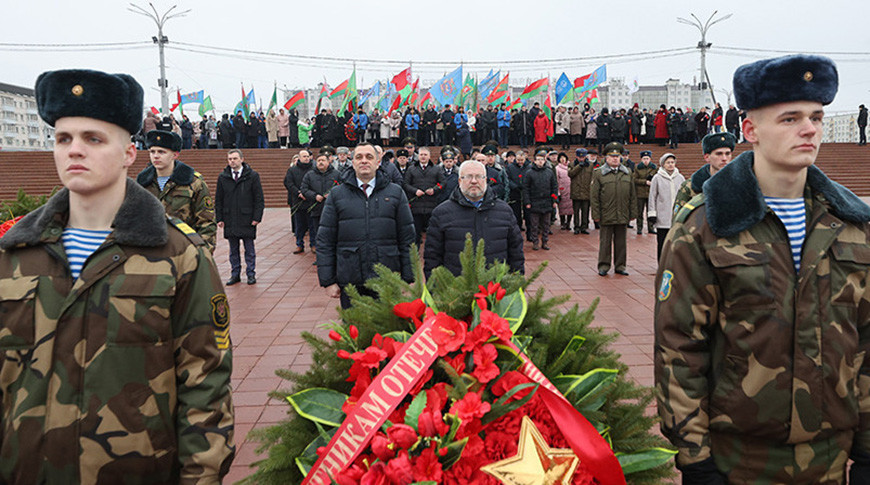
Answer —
(634, 86)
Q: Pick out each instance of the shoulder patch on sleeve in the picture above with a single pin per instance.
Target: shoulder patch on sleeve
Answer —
(688, 207)
(665, 288)
(188, 231)
(220, 317)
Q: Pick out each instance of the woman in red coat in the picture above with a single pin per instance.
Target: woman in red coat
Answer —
(542, 128)
(661, 123)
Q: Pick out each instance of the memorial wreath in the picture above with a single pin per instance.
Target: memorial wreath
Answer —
(463, 380)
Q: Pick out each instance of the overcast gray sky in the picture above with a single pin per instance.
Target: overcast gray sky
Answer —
(446, 31)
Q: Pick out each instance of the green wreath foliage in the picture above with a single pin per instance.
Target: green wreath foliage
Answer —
(561, 343)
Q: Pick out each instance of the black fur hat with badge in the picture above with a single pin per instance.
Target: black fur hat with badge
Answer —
(782, 79)
(165, 139)
(114, 98)
(715, 141)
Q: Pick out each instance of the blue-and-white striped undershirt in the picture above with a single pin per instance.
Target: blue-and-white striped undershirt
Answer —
(79, 245)
(793, 214)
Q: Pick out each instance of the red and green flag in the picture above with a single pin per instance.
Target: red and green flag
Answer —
(548, 110)
(402, 81)
(350, 95)
(412, 99)
(324, 92)
(467, 89)
(500, 93)
(295, 100)
(339, 90)
(592, 96)
(427, 100)
(517, 103)
(243, 106)
(535, 88)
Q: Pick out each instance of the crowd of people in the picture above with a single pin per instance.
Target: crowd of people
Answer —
(110, 296)
(453, 125)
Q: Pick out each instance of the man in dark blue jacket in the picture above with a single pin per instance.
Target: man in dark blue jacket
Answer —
(365, 221)
(472, 209)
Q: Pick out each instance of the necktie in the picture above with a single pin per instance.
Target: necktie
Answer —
(235, 176)
(365, 189)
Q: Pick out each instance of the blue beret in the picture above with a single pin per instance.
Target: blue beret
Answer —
(783, 79)
(715, 141)
(114, 98)
(165, 139)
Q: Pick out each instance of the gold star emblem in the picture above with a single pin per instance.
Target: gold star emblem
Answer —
(535, 462)
(157, 138)
(808, 76)
(77, 90)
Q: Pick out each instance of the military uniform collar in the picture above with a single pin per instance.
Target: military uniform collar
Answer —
(182, 174)
(140, 221)
(606, 169)
(735, 202)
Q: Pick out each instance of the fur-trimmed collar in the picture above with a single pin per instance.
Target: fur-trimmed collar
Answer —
(140, 221)
(182, 174)
(606, 169)
(699, 177)
(735, 202)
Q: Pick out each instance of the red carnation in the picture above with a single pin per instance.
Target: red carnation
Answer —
(431, 423)
(370, 358)
(410, 310)
(402, 435)
(381, 447)
(427, 467)
(448, 333)
(399, 470)
(485, 369)
(510, 380)
(375, 475)
(497, 325)
(470, 407)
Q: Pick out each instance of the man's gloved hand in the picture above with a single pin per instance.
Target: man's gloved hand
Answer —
(703, 473)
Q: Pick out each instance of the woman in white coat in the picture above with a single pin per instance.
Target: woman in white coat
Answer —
(662, 192)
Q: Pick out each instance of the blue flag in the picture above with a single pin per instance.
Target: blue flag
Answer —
(598, 76)
(488, 84)
(564, 86)
(447, 88)
(252, 100)
(385, 100)
(375, 90)
(197, 97)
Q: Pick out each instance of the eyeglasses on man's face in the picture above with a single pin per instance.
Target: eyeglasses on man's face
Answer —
(473, 177)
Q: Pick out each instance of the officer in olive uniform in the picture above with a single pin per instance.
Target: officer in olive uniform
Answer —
(762, 318)
(641, 176)
(614, 203)
(718, 148)
(179, 187)
(114, 326)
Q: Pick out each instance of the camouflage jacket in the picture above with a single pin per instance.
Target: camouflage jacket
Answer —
(120, 376)
(691, 187)
(745, 346)
(186, 197)
(613, 198)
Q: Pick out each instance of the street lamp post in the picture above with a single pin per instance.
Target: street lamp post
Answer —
(160, 40)
(703, 45)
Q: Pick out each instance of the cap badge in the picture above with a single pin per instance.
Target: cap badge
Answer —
(77, 90)
(157, 138)
(808, 76)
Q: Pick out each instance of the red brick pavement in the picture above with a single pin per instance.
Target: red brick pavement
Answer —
(268, 318)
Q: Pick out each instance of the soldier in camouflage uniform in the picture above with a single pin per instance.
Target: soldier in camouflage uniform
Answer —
(717, 153)
(116, 369)
(182, 190)
(762, 322)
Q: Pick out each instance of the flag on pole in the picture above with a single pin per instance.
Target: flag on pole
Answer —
(375, 90)
(516, 104)
(402, 81)
(564, 90)
(634, 86)
(500, 92)
(448, 87)
(535, 88)
(206, 106)
(548, 110)
(339, 90)
(274, 101)
(384, 101)
(412, 99)
(488, 83)
(595, 78)
(427, 100)
(295, 100)
(196, 97)
(155, 110)
(473, 106)
(178, 103)
(323, 93)
(350, 95)
(244, 104)
(467, 88)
